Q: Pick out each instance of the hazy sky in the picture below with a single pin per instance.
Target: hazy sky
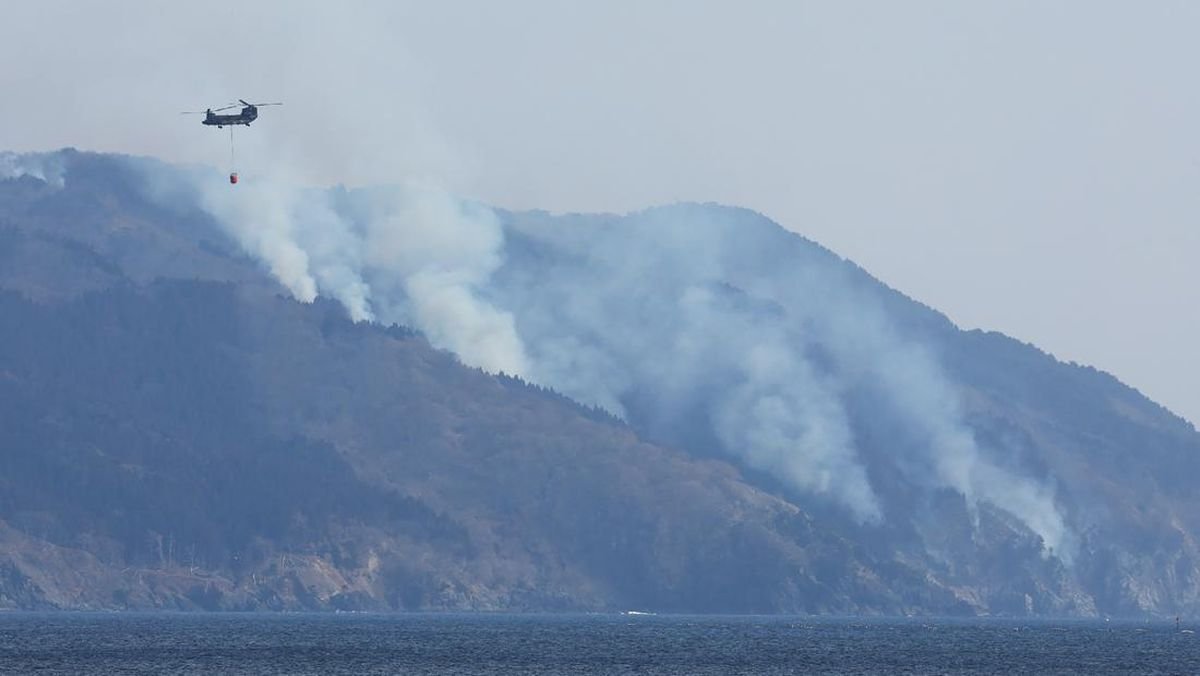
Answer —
(1029, 167)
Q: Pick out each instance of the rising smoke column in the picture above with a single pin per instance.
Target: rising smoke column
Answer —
(677, 317)
(434, 254)
(46, 167)
(942, 449)
(638, 316)
(770, 335)
(415, 256)
(265, 222)
(952, 456)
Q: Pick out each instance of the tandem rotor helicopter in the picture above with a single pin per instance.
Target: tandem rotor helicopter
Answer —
(248, 114)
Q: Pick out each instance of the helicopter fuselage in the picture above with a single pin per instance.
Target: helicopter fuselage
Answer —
(248, 115)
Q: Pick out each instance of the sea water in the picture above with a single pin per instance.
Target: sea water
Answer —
(168, 643)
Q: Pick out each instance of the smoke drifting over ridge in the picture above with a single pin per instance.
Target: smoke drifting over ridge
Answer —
(46, 167)
(692, 322)
(705, 320)
(703, 315)
(411, 255)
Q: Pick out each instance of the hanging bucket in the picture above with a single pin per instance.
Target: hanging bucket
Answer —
(233, 178)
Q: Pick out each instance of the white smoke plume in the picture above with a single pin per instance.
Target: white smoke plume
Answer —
(918, 390)
(413, 255)
(266, 222)
(705, 322)
(692, 316)
(47, 167)
(649, 317)
(440, 252)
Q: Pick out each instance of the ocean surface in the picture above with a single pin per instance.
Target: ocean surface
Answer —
(165, 643)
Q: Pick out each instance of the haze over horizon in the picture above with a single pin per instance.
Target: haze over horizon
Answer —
(1021, 167)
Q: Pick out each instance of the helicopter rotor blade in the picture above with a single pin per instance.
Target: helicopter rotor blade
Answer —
(202, 112)
(230, 106)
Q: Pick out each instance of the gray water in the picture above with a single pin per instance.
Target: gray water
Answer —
(74, 643)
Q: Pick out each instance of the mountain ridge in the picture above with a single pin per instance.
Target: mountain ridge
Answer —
(494, 493)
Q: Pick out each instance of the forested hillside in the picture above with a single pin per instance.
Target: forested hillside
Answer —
(383, 399)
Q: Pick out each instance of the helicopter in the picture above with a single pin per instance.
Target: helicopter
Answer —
(248, 114)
